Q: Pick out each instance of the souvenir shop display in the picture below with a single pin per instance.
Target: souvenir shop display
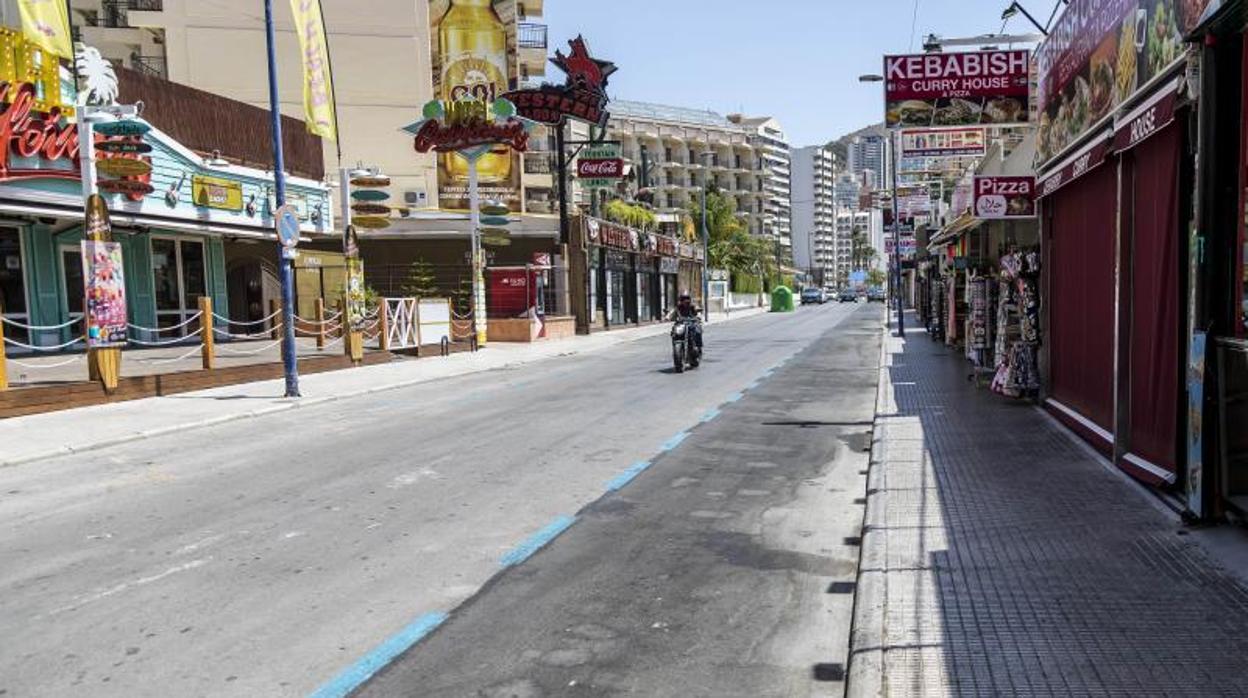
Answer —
(1018, 325)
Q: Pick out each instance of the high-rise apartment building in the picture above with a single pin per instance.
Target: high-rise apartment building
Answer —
(772, 149)
(675, 151)
(848, 188)
(868, 159)
(814, 212)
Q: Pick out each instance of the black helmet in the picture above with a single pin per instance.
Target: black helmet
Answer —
(685, 297)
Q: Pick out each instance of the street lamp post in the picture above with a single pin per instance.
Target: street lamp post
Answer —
(289, 366)
(706, 252)
(896, 275)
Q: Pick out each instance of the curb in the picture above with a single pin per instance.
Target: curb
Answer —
(864, 676)
(307, 402)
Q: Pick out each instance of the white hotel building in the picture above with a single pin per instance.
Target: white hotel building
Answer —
(685, 149)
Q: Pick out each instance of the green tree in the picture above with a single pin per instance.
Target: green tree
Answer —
(875, 277)
(632, 215)
(421, 281)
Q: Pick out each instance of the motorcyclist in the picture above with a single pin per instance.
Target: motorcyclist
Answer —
(686, 310)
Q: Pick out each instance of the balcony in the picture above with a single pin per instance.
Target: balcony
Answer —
(115, 14)
(153, 66)
(539, 163)
(529, 35)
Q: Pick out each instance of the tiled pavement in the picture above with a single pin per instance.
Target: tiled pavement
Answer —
(1001, 558)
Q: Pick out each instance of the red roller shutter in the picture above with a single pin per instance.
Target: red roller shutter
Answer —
(1151, 170)
(1080, 232)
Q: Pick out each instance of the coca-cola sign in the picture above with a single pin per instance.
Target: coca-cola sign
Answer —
(956, 89)
(600, 165)
(607, 168)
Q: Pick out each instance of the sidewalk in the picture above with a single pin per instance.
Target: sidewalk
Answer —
(1002, 557)
(39, 436)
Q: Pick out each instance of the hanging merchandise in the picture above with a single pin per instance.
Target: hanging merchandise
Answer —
(1018, 326)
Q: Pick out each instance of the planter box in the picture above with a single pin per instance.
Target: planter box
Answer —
(526, 330)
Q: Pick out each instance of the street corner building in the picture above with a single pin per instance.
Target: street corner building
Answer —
(196, 221)
(624, 277)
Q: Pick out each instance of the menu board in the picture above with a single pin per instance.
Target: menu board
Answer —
(1098, 56)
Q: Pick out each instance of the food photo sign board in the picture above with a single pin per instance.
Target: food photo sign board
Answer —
(1098, 56)
(1000, 197)
(957, 89)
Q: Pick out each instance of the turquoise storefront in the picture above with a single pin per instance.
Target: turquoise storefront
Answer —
(175, 239)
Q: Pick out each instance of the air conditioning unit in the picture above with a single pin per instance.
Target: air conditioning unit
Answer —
(414, 197)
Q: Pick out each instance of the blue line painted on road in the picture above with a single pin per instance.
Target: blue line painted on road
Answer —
(710, 414)
(753, 385)
(383, 654)
(537, 541)
(734, 397)
(674, 441)
(627, 476)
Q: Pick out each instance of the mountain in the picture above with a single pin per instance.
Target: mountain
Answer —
(840, 146)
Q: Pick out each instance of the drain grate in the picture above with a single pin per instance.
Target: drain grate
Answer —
(852, 540)
(829, 671)
(842, 587)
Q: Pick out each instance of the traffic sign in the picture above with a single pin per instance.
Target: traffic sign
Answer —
(495, 220)
(288, 225)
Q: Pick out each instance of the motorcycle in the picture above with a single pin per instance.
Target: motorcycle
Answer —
(685, 350)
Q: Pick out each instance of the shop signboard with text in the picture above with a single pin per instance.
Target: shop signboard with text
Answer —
(1004, 197)
(956, 89)
(935, 142)
(600, 166)
(1098, 56)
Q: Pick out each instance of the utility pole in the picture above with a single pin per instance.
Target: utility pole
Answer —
(901, 311)
(285, 256)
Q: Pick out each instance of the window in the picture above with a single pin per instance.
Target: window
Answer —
(179, 279)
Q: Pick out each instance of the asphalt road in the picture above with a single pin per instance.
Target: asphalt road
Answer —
(300, 551)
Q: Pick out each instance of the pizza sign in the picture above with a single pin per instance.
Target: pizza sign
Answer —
(1004, 197)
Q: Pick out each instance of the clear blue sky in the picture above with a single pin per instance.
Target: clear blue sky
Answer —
(797, 60)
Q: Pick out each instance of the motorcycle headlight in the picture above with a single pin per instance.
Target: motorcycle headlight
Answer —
(678, 330)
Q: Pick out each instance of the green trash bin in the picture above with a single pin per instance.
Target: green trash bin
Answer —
(782, 300)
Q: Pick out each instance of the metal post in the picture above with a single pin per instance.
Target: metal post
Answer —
(289, 367)
(901, 312)
(706, 284)
(561, 164)
(478, 278)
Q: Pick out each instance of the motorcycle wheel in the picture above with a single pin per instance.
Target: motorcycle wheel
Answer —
(678, 357)
(695, 358)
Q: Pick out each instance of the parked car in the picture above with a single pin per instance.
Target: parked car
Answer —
(847, 295)
(875, 294)
(813, 294)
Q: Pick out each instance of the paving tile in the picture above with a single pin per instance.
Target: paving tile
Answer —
(1014, 563)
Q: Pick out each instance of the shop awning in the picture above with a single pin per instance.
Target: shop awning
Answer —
(1152, 116)
(1076, 165)
(950, 233)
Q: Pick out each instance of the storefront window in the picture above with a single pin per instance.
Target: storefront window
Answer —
(643, 297)
(595, 263)
(179, 279)
(13, 284)
(615, 297)
(71, 270)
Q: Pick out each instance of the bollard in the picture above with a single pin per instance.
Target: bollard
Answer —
(275, 318)
(446, 346)
(383, 325)
(207, 346)
(320, 324)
